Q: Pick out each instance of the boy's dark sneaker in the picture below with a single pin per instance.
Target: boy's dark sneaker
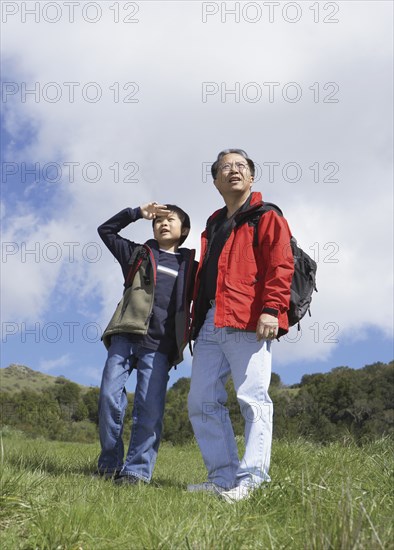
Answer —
(106, 475)
(127, 480)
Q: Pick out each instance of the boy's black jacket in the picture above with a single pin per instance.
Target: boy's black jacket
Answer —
(133, 311)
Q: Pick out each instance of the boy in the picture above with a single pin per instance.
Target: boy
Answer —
(148, 332)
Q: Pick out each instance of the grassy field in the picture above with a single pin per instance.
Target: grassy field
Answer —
(334, 497)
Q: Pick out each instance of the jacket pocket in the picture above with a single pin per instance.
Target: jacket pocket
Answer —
(243, 286)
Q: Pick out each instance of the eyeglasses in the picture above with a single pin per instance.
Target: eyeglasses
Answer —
(239, 165)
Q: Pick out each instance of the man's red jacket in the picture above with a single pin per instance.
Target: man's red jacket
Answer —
(251, 281)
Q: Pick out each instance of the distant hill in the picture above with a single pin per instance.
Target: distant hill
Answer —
(15, 378)
(344, 404)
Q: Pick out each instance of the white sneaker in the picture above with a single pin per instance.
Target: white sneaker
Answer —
(241, 492)
(207, 487)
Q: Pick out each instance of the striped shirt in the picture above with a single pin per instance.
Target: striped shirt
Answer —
(161, 332)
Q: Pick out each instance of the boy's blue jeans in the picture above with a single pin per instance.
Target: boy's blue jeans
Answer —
(149, 399)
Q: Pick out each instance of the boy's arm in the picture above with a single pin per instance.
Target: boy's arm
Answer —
(120, 247)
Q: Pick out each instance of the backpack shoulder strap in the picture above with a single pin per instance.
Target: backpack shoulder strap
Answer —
(270, 206)
(136, 258)
(255, 219)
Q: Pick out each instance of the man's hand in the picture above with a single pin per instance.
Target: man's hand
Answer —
(152, 210)
(267, 327)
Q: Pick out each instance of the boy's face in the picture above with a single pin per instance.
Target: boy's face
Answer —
(168, 230)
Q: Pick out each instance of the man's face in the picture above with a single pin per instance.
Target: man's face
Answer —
(233, 176)
(168, 230)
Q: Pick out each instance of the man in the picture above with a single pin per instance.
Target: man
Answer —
(241, 298)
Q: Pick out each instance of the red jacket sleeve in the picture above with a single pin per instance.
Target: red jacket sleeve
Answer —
(277, 261)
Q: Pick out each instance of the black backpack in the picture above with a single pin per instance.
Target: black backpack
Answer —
(304, 278)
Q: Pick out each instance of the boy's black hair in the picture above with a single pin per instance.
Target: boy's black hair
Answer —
(182, 216)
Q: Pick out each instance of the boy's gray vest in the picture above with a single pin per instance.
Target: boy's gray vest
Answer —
(133, 312)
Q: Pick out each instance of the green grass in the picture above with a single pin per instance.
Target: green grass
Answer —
(334, 497)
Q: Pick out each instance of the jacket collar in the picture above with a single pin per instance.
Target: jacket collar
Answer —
(154, 246)
(255, 201)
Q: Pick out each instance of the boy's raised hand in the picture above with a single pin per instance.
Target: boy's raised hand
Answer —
(151, 210)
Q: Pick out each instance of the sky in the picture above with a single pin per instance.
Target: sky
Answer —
(108, 105)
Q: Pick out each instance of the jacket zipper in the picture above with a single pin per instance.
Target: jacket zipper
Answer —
(187, 303)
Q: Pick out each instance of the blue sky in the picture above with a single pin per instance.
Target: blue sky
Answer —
(132, 111)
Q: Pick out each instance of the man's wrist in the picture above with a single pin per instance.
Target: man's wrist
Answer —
(271, 311)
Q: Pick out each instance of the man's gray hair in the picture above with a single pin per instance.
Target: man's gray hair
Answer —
(215, 165)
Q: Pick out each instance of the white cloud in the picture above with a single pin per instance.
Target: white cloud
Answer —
(170, 132)
(48, 365)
